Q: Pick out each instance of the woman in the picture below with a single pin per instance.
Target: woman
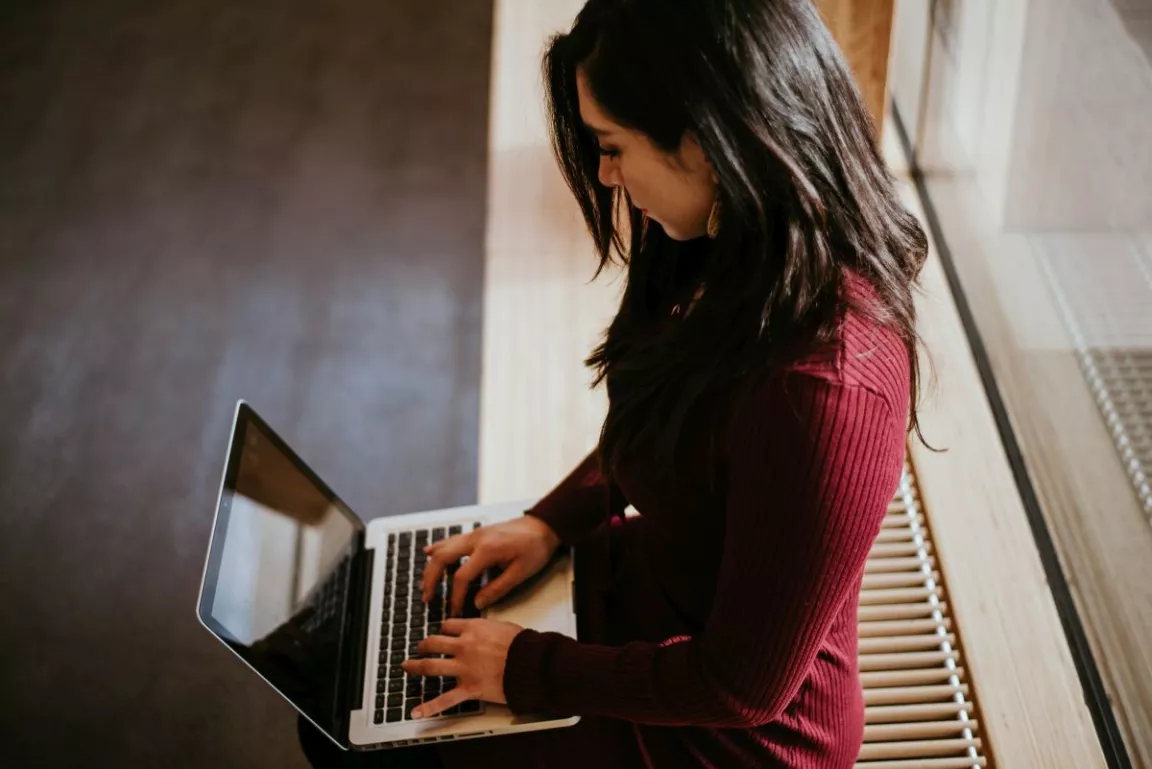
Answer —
(761, 372)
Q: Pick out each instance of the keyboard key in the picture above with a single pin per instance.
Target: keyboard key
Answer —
(395, 685)
(382, 671)
(405, 538)
(395, 671)
(448, 683)
(421, 538)
(384, 654)
(379, 717)
(416, 634)
(476, 525)
(413, 649)
(395, 700)
(452, 711)
(398, 645)
(454, 530)
(379, 701)
(434, 628)
(438, 534)
(394, 715)
(381, 686)
(414, 688)
(471, 706)
(409, 706)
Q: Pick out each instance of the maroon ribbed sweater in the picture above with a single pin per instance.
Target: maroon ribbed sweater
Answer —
(744, 630)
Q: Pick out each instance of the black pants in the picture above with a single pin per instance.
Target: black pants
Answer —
(322, 754)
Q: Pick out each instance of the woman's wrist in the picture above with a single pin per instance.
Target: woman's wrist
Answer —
(550, 536)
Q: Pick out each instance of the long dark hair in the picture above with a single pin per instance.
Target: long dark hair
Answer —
(805, 198)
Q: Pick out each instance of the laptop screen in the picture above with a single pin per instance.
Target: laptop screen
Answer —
(276, 585)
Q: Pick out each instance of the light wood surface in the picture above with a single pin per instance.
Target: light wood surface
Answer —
(1039, 179)
(1100, 533)
(863, 28)
(538, 418)
(1030, 696)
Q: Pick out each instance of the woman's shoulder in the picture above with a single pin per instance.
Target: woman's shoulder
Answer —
(865, 353)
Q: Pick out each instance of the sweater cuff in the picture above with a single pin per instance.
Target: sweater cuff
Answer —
(523, 672)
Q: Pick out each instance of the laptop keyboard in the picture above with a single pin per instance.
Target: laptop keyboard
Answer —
(406, 620)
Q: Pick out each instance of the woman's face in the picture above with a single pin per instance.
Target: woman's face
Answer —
(675, 189)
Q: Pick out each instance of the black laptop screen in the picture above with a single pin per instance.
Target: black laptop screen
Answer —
(276, 586)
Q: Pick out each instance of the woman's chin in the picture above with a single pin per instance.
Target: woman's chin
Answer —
(678, 233)
(682, 236)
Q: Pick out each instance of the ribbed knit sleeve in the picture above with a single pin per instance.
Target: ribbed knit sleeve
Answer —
(580, 503)
(812, 465)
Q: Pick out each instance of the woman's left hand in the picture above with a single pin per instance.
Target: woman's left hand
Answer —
(477, 650)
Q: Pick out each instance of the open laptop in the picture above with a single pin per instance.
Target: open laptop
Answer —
(324, 607)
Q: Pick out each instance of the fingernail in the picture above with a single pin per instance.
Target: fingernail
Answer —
(417, 713)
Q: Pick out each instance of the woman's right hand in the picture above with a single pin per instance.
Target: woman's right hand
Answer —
(521, 547)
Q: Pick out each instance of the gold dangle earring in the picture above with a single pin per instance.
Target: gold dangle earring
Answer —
(714, 218)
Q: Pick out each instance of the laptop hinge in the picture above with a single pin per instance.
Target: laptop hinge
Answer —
(355, 646)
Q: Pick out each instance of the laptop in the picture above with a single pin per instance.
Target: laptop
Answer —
(324, 606)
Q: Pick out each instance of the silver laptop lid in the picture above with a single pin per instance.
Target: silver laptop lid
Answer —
(278, 582)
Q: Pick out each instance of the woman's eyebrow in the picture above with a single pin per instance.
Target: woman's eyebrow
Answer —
(597, 131)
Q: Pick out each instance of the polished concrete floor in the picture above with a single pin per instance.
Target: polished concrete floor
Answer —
(202, 200)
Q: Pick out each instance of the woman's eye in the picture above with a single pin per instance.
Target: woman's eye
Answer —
(607, 152)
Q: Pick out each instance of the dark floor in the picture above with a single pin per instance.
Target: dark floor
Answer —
(200, 200)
